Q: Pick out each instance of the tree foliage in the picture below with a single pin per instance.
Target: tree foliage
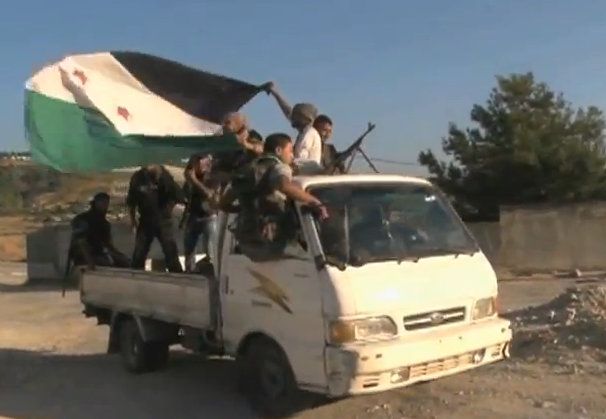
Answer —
(527, 145)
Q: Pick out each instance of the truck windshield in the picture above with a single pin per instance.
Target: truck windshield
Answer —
(388, 221)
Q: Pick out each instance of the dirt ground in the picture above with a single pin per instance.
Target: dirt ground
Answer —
(52, 365)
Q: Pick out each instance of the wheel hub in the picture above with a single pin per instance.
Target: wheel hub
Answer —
(272, 378)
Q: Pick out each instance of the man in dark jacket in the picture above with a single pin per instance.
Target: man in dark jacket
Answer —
(153, 193)
(92, 242)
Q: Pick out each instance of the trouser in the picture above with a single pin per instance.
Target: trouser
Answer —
(112, 258)
(109, 257)
(163, 231)
(196, 227)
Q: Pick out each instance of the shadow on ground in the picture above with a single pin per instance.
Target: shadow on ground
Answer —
(38, 384)
(35, 384)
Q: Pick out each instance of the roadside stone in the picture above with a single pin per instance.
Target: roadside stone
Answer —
(543, 404)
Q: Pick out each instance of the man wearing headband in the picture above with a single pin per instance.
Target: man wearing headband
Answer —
(308, 144)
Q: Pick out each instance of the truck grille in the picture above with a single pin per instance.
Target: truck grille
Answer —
(453, 362)
(442, 365)
(434, 318)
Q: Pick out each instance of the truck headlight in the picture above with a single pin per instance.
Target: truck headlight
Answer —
(485, 307)
(344, 331)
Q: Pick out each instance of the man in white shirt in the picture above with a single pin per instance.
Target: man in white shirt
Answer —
(308, 144)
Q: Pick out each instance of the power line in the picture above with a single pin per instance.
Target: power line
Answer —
(388, 161)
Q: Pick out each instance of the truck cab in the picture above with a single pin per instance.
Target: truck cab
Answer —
(391, 289)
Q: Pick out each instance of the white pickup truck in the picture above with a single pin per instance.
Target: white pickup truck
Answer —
(389, 291)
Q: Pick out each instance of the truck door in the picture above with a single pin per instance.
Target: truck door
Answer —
(280, 298)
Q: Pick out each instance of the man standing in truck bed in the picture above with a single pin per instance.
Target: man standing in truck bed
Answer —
(153, 193)
(201, 220)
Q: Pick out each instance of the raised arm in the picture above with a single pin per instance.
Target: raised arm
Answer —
(190, 176)
(271, 89)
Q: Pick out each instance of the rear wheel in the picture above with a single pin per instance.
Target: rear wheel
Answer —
(267, 378)
(139, 356)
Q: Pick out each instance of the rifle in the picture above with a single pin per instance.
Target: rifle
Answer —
(351, 152)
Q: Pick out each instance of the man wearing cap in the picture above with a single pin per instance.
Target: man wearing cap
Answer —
(92, 242)
(308, 144)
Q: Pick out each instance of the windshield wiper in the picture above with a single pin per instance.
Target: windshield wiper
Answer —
(398, 258)
(406, 258)
(456, 252)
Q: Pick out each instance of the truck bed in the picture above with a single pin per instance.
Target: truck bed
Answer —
(182, 299)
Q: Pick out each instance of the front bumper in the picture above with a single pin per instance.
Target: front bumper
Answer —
(422, 356)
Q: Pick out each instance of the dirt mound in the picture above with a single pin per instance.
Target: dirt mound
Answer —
(569, 330)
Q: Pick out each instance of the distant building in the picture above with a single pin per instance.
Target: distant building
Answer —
(16, 155)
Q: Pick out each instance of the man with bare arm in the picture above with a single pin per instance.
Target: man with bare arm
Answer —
(308, 144)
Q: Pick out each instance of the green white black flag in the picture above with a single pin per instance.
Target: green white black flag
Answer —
(102, 111)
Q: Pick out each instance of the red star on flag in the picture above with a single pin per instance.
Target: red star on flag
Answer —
(123, 112)
(80, 74)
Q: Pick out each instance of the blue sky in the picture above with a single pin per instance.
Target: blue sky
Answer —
(410, 67)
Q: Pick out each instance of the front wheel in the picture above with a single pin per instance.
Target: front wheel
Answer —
(267, 378)
(139, 356)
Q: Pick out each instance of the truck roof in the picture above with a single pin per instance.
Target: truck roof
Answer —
(307, 181)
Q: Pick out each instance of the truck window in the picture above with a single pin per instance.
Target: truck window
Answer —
(262, 241)
(397, 221)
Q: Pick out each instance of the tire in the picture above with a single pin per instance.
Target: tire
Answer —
(267, 378)
(158, 355)
(139, 356)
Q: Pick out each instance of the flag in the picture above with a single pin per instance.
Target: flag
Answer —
(102, 111)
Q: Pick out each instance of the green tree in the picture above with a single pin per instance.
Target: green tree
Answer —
(528, 145)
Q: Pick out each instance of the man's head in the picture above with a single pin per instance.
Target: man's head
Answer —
(201, 163)
(280, 145)
(255, 136)
(303, 114)
(234, 123)
(323, 124)
(155, 170)
(100, 203)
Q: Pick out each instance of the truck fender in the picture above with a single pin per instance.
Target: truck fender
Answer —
(151, 330)
(252, 335)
